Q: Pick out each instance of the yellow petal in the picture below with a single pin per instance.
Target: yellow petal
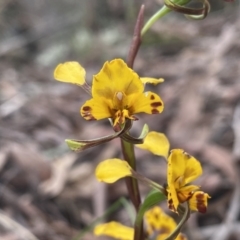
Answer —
(115, 230)
(116, 76)
(70, 72)
(111, 170)
(199, 201)
(153, 81)
(157, 143)
(96, 109)
(147, 102)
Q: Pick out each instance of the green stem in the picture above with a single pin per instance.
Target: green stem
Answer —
(132, 185)
(159, 14)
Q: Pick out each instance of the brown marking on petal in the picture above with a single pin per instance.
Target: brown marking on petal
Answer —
(88, 116)
(152, 97)
(86, 108)
(155, 111)
(86, 113)
(202, 208)
(171, 206)
(156, 104)
(156, 216)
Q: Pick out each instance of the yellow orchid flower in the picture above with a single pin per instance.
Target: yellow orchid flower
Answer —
(158, 224)
(117, 91)
(183, 169)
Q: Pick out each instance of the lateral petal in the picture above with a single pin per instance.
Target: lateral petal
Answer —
(147, 102)
(96, 109)
(70, 72)
(111, 170)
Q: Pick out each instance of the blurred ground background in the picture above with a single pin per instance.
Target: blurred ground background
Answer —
(48, 192)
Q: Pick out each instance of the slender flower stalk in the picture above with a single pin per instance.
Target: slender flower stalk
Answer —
(132, 185)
